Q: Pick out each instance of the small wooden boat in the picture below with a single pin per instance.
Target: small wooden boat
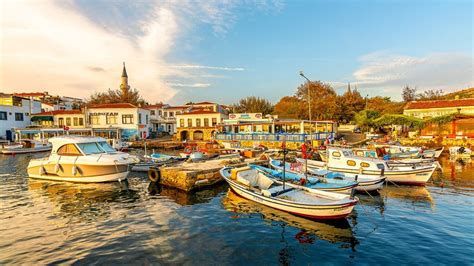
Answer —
(26, 146)
(460, 152)
(344, 161)
(81, 159)
(256, 186)
(160, 157)
(331, 185)
(364, 182)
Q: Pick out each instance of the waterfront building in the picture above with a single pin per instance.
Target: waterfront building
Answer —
(198, 124)
(52, 103)
(254, 129)
(163, 117)
(15, 112)
(60, 118)
(462, 126)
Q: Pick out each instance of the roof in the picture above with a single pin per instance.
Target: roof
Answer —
(30, 94)
(112, 105)
(124, 71)
(201, 103)
(439, 104)
(61, 140)
(59, 112)
(199, 112)
(178, 107)
(154, 106)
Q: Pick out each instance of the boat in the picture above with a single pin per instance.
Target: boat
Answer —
(161, 157)
(81, 159)
(256, 186)
(364, 182)
(331, 185)
(26, 146)
(460, 152)
(344, 161)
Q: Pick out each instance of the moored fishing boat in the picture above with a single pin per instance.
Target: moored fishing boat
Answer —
(364, 182)
(460, 152)
(331, 185)
(256, 186)
(81, 159)
(26, 146)
(343, 160)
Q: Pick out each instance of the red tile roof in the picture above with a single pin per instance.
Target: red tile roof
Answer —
(30, 94)
(112, 105)
(60, 112)
(440, 104)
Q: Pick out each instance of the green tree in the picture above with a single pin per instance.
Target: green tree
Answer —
(365, 118)
(253, 104)
(117, 96)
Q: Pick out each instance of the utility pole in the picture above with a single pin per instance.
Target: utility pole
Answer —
(309, 96)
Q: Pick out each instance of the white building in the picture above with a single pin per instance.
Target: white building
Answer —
(133, 121)
(163, 117)
(15, 113)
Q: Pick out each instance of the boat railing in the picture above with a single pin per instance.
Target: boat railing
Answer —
(291, 137)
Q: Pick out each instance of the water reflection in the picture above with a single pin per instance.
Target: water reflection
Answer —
(186, 198)
(337, 231)
(86, 202)
(416, 196)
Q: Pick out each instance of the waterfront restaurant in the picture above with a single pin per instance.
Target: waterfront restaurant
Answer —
(254, 129)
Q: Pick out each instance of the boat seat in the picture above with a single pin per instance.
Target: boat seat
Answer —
(275, 191)
(235, 171)
(252, 178)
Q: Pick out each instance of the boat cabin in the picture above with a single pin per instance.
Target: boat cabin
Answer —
(79, 146)
(340, 158)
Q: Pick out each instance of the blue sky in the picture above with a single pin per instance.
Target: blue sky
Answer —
(179, 51)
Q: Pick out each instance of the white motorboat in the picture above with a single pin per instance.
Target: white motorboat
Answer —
(460, 152)
(343, 160)
(256, 186)
(81, 159)
(26, 146)
(364, 182)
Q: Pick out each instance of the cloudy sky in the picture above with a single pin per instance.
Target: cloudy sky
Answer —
(222, 50)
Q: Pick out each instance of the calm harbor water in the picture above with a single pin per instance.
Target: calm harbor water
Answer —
(136, 222)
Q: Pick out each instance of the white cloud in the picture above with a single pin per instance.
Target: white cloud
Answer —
(191, 85)
(390, 72)
(71, 49)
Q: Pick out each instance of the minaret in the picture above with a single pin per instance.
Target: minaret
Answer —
(124, 86)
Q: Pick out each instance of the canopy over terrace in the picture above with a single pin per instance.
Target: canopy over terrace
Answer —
(46, 133)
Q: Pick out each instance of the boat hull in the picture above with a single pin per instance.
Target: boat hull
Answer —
(319, 212)
(27, 150)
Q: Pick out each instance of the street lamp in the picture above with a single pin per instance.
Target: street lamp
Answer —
(309, 96)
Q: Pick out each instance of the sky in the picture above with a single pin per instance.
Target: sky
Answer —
(223, 50)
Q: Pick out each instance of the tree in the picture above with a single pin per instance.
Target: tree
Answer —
(323, 100)
(384, 105)
(288, 107)
(409, 94)
(430, 95)
(253, 104)
(350, 103)
(117, 96)
(365, 118)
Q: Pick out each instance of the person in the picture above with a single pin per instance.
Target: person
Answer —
(327, 141)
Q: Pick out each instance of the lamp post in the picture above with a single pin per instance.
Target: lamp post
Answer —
(309, 96)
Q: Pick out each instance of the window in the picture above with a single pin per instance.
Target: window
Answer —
(364, 164)
(90, 148)
(190, 122)
(76, 121)
(159, 112)
(139, 118)
(69, 150)
(106, 147)
(18, 116)
(81, 121)
(3, 116)
(165, 114)
(127, 119)
(206, 122)
(111, 119)
(181, 122)
(68, 121)
(351, 162)
(152, 112)
(61, 122)
(198, 122)
(94, 119)
(146, 119)
(171, 114)
(336, 154)
(214, 121)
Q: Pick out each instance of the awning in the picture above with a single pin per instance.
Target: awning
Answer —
(42, 118)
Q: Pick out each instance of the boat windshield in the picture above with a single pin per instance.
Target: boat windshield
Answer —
(106, 147)
(347, 153)
(90, 148)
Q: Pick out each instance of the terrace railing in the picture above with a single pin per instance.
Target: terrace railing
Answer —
(291, 137)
